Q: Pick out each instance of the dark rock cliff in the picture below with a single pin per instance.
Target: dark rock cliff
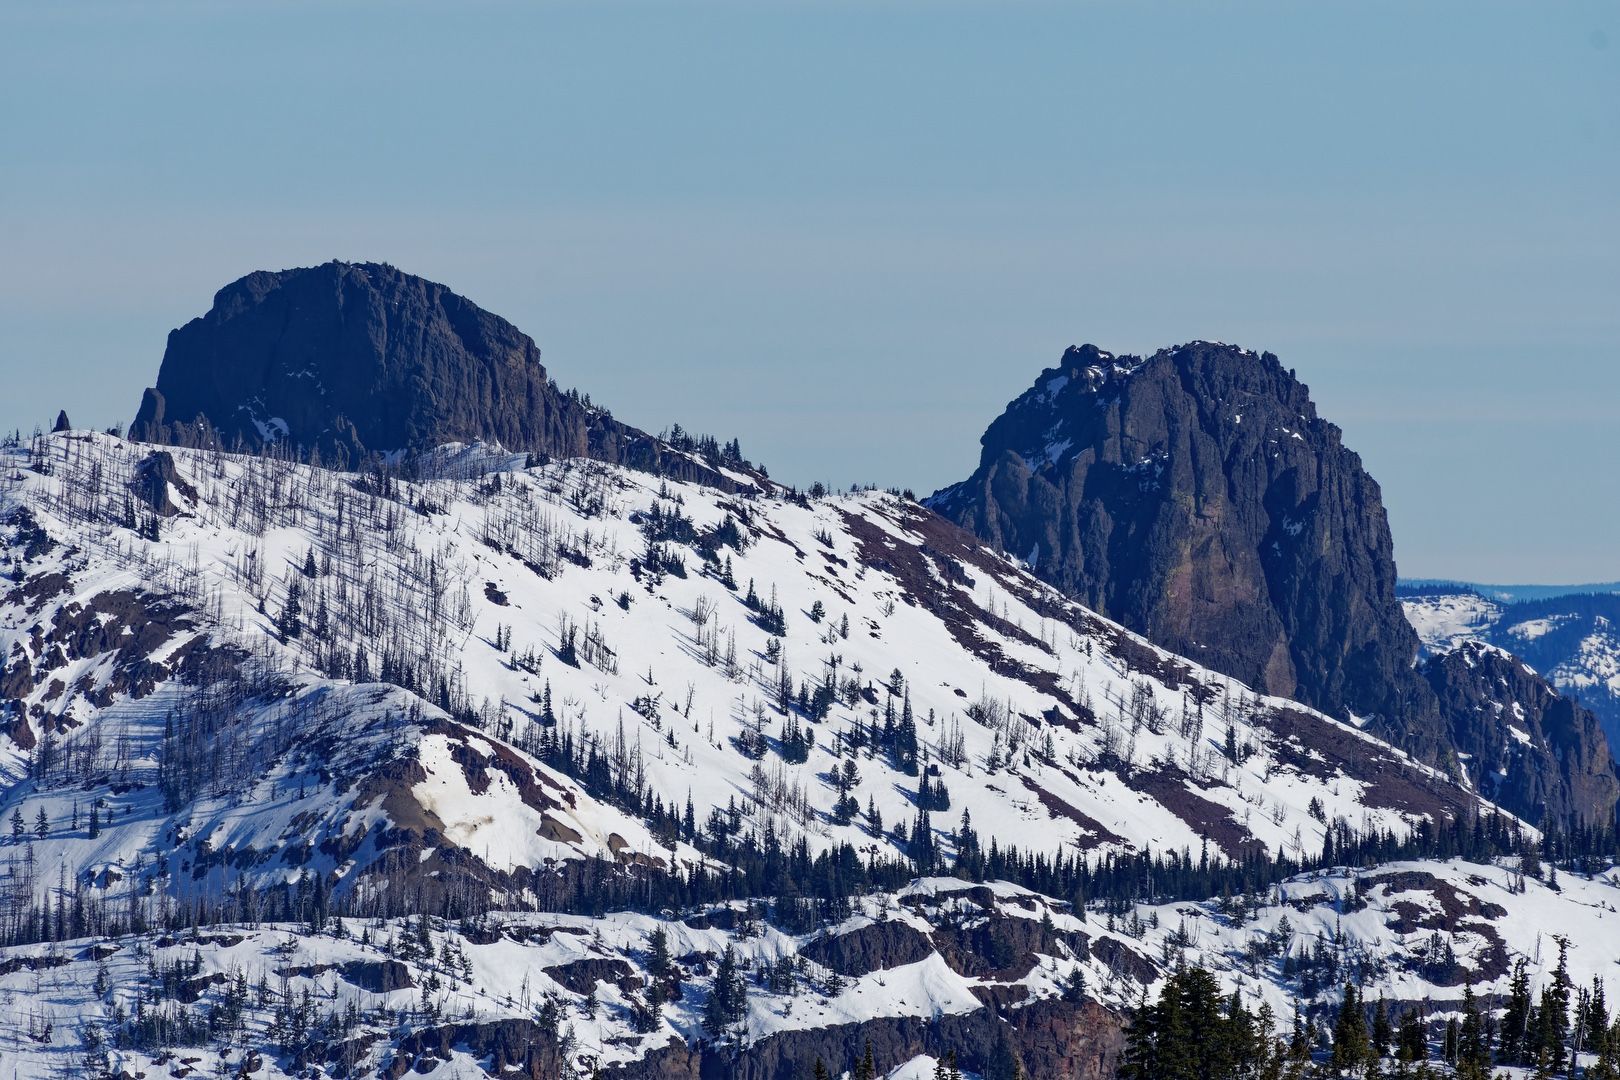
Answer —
(1525, 747)
(349, 360)
(1046, 1038)
(1196, 497)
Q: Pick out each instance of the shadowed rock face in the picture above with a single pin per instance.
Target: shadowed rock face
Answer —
(1527, 748)
(1046, 1038)
(1197, 497)
(349, 360)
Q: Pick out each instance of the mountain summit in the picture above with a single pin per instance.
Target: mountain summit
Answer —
(1196, 497)
(347, 360)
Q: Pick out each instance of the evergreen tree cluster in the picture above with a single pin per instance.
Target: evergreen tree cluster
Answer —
(767, 614)
(1547, 1032)
(1193, 1032)
(711, 450)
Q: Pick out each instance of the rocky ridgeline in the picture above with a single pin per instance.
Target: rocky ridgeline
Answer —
(350, 360)
(1196, 497)
(1572, 639)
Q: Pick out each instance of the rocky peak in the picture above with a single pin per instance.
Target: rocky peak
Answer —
(348, 360)
(1196, 496)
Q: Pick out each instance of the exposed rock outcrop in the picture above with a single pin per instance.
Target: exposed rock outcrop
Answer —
(1046, 1038)
(1525, 747)
(348, 360)
(1573, 640)
(156, 479)
(870, 947)
(1196, 496)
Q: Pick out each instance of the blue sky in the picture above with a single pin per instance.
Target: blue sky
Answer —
(848, 234)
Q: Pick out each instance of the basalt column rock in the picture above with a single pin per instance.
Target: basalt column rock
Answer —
(1196, 497)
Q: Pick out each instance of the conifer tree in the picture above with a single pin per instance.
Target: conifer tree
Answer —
(867, 1069)
(1607, 1048)
(1299, 1043)
(1271, 1053)
(1382, 1033)
(291, 623)
(1139, 1059)
(1594, 1019)
(1513, 1047)
(1473, 1047)
(1190, 1033)
(1552, 1029)
(1412, 1043)
(658, 959)
(728, 1001)
(1351, 1049)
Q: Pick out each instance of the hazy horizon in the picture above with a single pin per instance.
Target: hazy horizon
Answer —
(848, 236)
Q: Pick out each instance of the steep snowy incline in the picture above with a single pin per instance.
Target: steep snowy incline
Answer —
(888, 665)
(1444, 622)
(236, 687)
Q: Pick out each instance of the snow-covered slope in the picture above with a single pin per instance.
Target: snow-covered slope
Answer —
(910, 969)
(278, 589)
(1444, 622)
(236, 688)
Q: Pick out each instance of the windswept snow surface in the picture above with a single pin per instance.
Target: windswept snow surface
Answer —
(1445, 622)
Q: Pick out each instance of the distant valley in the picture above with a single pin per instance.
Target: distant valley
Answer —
(1571, 635)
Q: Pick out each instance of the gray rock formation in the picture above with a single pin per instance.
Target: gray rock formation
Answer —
(1525, 747)
(1197, 497)
(344, 361)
